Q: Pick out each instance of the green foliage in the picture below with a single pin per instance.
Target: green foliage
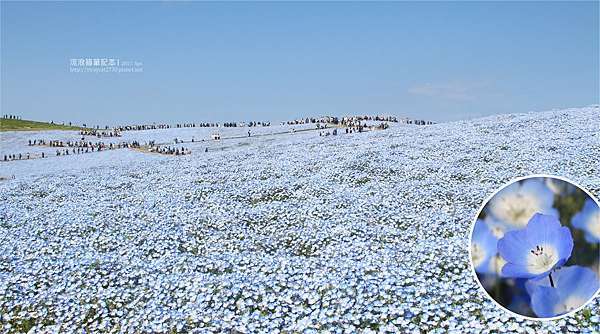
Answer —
(25, 125)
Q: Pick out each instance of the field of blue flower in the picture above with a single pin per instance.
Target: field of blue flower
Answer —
(535, 247)
(365, 232)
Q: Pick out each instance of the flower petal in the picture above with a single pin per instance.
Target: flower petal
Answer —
(486, 244)
(564, 244)
(537, 187)
(516, 270)
(536, 282)
(576, 280)
(573, 286)
(543, 301)
(541, 229)
(514, 247)
(588, 221)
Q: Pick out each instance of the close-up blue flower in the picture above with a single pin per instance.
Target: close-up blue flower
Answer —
(515, 204)
(483, 247)
(537, 249)
(560, 187)
(588, 220)
(571, 287)
(520, 301)
(498, 228)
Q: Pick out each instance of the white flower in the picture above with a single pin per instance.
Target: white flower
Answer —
(518, 202)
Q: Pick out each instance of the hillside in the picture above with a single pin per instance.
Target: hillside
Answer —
(357, 232)
(26, 125)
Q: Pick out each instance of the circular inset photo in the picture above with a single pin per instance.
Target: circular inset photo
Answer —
(535, 247)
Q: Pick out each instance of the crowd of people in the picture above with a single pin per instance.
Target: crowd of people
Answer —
(83, 144)
(122, 128)
(189, 125)
(141, 127)
(20, 156)
(358, 126)
(312, 120)
(70, 148)
(352, 127)
(99, 134)
(94, 148)
(344, 120)
(244, 124)
(355, 120)
(325, 133)
(419, 122)
(392, 119)
(168, 150)
(7, 116)
(185, 125)
(381, 126)
(73, 147)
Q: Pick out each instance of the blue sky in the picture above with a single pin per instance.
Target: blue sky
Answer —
(276, 61)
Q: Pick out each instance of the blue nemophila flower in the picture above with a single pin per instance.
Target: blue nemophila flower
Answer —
(537, 249)
(588, 219)
(515, 204)
(573, 287)
(520, 302)
(483, 247)
(498, 228)
(560, 187)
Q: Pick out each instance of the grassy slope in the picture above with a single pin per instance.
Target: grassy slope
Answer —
(25, 125)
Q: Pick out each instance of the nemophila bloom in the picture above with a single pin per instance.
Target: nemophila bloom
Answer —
(520, 302)
(496, 264)
(537, 249)
(573, 286)
(483, 246)
(498, 228)
(559, 186)
(588, 219)
(515, 204)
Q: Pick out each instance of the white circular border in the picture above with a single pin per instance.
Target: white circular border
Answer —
(485, 202)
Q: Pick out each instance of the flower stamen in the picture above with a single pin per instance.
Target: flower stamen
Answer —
(539, 250)
(542, 258)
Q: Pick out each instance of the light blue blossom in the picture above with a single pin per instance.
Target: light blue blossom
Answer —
(520, 302)
(483, 247)
(498, 228)
(560, 187)
(537, 249)
(588, 220)
(573, 287)
(516, 203)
